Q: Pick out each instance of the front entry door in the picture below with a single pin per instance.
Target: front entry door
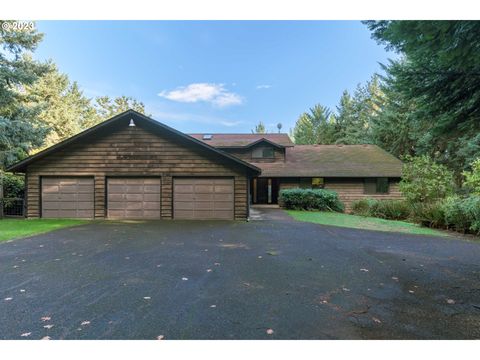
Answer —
(264, 191)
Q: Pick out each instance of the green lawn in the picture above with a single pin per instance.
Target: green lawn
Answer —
(361, 222)
(18, 228)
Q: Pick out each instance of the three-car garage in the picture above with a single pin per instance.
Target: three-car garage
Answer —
(194, 198)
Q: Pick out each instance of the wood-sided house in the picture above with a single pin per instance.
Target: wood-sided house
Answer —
(133, 167)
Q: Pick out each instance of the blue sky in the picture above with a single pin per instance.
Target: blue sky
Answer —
(216, 76)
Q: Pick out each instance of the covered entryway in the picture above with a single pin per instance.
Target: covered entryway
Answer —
(133, 198)
(67, 197)
(203, 198)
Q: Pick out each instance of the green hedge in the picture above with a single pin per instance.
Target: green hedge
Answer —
(462, 214)
(384, 209)
(458, 213)
(13, 185)
(311, 199)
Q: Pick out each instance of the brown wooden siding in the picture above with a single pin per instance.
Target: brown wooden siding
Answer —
(134, 151)
(348, 189)
(246, 154)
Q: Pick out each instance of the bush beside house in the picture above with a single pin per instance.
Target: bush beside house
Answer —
(311, 199)
(430, 196)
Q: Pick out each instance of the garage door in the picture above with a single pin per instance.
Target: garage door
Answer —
(203, 198)
(67, 198)
(133, 198)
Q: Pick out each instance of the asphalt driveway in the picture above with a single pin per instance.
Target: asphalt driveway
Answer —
(236, 280)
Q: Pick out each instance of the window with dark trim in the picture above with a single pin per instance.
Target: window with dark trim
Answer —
(374, 186)
(263, 153)
(318, 183)
(311, 183)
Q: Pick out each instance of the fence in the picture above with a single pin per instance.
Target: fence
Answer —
(12, 207)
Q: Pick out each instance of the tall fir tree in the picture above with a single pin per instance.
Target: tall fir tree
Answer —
(20, 130)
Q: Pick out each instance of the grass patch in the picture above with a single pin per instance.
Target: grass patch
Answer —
(19, 228)
(362, 222)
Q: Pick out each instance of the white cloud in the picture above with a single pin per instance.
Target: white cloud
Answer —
(215, 94)
(189, 118)
(263, 86)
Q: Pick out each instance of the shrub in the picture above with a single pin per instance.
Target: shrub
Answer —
(393, 209)
(454, 214)
(13, 185)
(385, 209)
(428, 214)
(462, 214)
(311, 199)
(472, 178)
(424, 180)
(363, 207)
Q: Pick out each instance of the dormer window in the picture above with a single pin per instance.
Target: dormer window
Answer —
(263, 153)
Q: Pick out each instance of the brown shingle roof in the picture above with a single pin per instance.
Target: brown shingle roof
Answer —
(334, 161)
(239, 140)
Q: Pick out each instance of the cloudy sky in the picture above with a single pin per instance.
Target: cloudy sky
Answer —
(216, 76)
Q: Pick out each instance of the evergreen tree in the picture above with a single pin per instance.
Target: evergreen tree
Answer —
(438, 80)
(318, 126)
(259, 128)
(20, 131)
(65, 110)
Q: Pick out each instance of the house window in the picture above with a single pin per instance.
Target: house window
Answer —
(374, 186)
(263, 153)
(317, 183)
(311, 183)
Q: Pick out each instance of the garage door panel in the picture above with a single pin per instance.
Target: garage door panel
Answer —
(116, 205)
(116, 214)
(84, 189)
(151, 214)
(49, 189)
(223, 206)
(134, 205)
(183, 189)
(205, 189)
(115, 188)
(204, 205)
(223, 189)
(153, 189)
(203, 198)
(133, 198)
(116, 197)
(151, 205)
(184, 214)
(132, 189)
(184, 197)
(184, 205)
(50, 197)
(223, 197)
(67, 197)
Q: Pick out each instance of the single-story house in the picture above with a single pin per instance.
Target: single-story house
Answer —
(132, 166)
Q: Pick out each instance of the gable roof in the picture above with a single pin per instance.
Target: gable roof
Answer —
(125, 117)
(334, 161)
(244, 140)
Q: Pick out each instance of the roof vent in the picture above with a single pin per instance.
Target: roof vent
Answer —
(132, 123)
(207, 136)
